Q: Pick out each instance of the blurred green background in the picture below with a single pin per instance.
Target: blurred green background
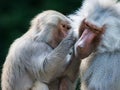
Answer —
(15, 16)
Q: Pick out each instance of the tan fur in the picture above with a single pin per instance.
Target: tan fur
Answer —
(37, 59)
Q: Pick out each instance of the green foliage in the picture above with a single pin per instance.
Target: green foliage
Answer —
(78, 84)
(15, 16)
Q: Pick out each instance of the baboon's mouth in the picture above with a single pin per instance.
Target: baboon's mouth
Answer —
(86, 38)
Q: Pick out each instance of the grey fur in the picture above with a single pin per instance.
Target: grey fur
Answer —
(31, 64)
(100, 71)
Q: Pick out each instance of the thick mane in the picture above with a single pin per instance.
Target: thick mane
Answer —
(101, 12)
(102, 71)
(88, 7)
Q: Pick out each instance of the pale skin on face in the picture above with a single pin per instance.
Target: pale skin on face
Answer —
(84, 45)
